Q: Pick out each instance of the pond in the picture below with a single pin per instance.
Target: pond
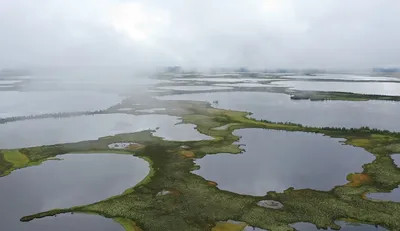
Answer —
(28, 133)
(394, 195)
(77, 179)
(277, 160)
(362, 88)
(16, 103)
(302, 226)
(280, 108)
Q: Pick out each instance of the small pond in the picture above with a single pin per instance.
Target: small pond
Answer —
(277, 160)
(77, 179)
(302, 226)
(394, 195)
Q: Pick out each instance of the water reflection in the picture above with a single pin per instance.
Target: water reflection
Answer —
(302, 226)
(394, 195)
(342, 77)
(30, 133)
(242, 84)
(193, 88)
(396, 158)
(277, 160)
(227, 80)
(15, 103)
(67, 222)
(75, 180)
(280, 108)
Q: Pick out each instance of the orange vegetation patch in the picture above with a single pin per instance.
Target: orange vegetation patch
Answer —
(135, 146)
(358, 179)
(212, 183)
(174, 192)
(364, 196)
(187, 154)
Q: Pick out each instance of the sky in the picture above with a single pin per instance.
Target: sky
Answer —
(200, 33)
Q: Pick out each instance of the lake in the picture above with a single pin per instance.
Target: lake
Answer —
(28, 133)
(343, 77)
(17, 103)
(277, 160)
(74, 180)
(361, 88)
(193, 88)
(280, 108)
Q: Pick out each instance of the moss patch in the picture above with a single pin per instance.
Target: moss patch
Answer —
(228, 226)
(202, 206)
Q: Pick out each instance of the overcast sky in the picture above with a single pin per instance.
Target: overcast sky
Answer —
(252, 33)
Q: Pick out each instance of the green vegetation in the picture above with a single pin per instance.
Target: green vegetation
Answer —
(197, 204)
(345, 96)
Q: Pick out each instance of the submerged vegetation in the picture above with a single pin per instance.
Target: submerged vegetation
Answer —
(193, 203)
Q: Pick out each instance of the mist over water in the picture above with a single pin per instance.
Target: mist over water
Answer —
(92, 55)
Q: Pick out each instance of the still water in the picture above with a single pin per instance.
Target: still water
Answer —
(15, 103)
(302, 226)
(28, 133)
(277, 160)
(343, 77)
(280, 108)
(362, 88)
(193, 88)
(227, 80)
(74, 180)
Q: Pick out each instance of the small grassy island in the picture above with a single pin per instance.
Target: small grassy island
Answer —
(171, 197)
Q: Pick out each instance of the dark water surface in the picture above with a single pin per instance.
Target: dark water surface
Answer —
(75, 180)
(302, 226)
(280, 108)
(17, 103)
(30, 133)
(277, 160)
(362, 88)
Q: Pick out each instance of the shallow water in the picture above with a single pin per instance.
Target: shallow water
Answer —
(241, 84)
(152, 110)
(7, 82)
(302, 226)
(362, 88)
(277, 160)
(75, 180)
(16, 103)
(30, 133)
(193, 88)
(396, 158)
(227, 80)
(180, 132)
(394, 195)
(343, 77)
(280, 108)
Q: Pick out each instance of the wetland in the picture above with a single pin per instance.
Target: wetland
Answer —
(199, 161)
